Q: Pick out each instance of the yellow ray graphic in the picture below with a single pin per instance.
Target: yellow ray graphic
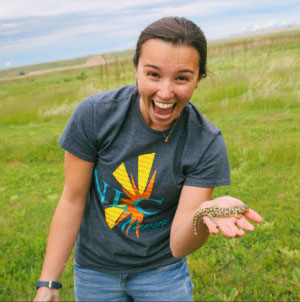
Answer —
(122, 177)
(133, 192)
(144, 169)
(112, 214)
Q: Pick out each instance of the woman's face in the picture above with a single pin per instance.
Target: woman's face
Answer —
(166, 76)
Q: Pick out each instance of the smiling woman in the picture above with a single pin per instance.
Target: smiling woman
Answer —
(141, 164)
(166, 76)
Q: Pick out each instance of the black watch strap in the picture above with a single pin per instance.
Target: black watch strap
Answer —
(50, 284)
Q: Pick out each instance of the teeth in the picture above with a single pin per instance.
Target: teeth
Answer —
(162, 105)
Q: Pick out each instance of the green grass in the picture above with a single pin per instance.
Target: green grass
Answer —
(252, 94)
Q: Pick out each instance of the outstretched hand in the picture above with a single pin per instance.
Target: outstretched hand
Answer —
(229, 226)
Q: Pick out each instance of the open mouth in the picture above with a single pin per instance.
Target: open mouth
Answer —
(164, 109)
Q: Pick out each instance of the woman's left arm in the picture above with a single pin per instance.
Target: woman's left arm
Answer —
(183, 240)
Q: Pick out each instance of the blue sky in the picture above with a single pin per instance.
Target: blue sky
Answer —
(36, 31)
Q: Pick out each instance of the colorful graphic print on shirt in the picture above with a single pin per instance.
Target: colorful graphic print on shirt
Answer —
(127, 211)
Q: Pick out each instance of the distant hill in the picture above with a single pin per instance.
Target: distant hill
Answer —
(258, 35)
(266, 32)
(83, 62)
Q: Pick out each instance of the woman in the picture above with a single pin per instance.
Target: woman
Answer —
(140, 164)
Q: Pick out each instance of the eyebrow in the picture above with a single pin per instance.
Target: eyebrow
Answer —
(180, 71)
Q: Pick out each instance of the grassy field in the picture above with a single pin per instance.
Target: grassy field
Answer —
(252, 94)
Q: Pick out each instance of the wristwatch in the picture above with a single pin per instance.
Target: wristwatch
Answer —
(50, 284)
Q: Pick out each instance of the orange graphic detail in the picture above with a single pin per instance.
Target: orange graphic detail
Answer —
(136, 216)
(133, 192)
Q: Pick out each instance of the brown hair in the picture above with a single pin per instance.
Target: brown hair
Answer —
(178, 31)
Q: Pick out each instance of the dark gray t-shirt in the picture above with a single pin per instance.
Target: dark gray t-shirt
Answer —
(137, 178)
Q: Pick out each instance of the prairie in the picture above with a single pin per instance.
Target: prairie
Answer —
(252, 94)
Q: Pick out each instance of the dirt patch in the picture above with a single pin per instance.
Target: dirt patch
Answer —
(94, 61)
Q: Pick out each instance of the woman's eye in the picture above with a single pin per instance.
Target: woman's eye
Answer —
(182, 79)
(153, 74)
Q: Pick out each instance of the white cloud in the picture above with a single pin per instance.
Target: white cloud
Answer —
(8, 25)
(272, 24)
(261, 26)
(7, 64)
(36, 8)
(202, 8)
(287, 23)
(60, 38)
(30, 8)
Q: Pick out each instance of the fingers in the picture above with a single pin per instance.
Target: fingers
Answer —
(244, 224)
(212, 227)
(229, 226)
(252, 215)
(229, 229)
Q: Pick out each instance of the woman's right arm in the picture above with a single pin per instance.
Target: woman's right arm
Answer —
(65, 222)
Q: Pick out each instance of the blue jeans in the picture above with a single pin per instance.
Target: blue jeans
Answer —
(167, 283)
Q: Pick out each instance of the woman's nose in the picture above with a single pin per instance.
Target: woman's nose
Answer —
(165, 91)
